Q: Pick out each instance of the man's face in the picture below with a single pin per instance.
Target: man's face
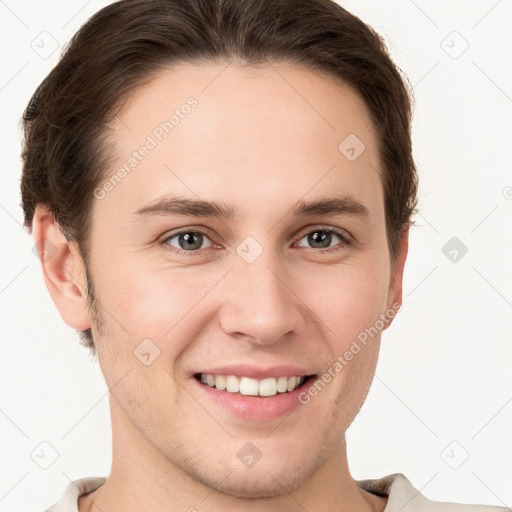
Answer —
(264, 288)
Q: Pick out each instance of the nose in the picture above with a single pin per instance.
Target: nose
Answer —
(259, 302)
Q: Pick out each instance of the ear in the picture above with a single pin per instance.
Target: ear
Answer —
(395, 284)
(63, 269)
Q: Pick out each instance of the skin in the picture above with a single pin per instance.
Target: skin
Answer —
(259, 140)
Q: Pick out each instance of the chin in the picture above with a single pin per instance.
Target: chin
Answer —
(252, 483)
(266, 479)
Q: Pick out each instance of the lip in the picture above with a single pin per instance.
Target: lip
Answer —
(255, 372)
(253, 408)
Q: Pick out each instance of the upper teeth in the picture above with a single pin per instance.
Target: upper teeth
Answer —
(249, 386)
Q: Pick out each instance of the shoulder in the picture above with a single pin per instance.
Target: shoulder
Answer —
(69, 499)
(404, 497)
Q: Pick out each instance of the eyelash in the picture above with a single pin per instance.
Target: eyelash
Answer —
(345, 240)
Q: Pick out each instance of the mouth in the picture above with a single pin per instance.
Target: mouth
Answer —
(254, 393)
(251, 387)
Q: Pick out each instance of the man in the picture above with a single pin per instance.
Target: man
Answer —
(221, 192)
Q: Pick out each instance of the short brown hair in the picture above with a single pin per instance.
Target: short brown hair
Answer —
(126, 43)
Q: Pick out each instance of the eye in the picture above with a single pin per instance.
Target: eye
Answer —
(322, 238)
(188, 242)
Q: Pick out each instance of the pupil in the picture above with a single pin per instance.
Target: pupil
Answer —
(188, 238)
(323, 236)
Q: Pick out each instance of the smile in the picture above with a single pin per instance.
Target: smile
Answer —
(253, 393)
(249, 386)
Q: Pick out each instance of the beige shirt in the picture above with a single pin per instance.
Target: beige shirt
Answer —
(402, 496)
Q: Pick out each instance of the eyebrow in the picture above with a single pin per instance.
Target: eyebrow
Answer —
(181, 206)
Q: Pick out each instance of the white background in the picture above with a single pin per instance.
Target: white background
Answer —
(444, 370)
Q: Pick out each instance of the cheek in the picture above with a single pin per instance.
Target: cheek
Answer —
(151, 301)
(347, 300)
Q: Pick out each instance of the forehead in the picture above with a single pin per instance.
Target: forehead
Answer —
(255, 133)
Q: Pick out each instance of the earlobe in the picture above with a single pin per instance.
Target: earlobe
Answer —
(396, 282)
(63, 269)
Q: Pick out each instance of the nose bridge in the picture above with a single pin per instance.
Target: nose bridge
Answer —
(259, 301)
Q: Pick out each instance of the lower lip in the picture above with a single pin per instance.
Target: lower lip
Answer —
(255, 408)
